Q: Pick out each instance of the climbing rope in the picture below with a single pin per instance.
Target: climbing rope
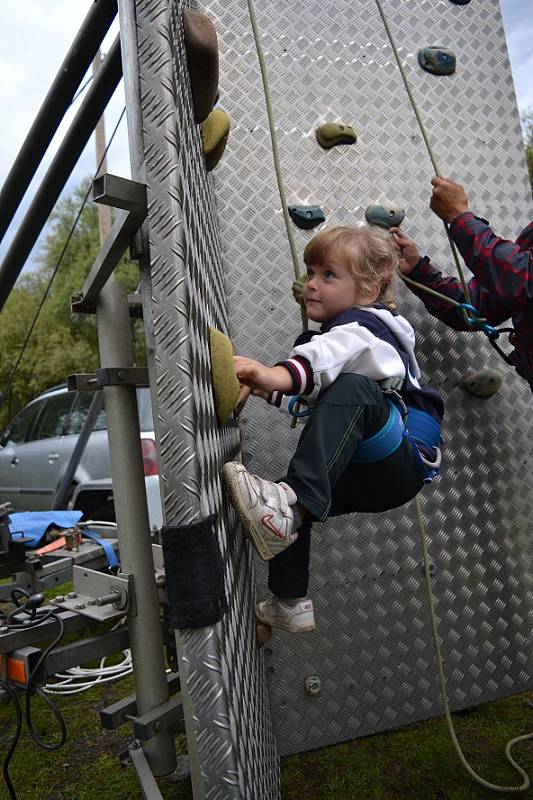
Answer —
(426, 141)
(474, 320)
(442, 680)
(275, 151)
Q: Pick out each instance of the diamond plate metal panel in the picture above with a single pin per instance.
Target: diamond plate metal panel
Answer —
(222, 671)
(332, 61)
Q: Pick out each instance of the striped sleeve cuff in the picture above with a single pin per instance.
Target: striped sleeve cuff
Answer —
(301, 374)
(274, 399)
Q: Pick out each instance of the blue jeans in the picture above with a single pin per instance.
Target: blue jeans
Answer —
(326, 481)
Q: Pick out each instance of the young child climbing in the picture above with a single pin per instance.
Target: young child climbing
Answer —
(371, 436)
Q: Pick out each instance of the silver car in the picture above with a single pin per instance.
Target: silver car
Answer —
(36, 446)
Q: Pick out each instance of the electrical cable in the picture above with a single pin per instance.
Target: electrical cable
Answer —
(9, 382)
(82, 88)
(12, 622)
(15, 740)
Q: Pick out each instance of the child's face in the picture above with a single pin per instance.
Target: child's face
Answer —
(328, 290)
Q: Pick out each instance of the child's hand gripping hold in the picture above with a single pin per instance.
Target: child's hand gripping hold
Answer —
(262, 380)
(409, 253)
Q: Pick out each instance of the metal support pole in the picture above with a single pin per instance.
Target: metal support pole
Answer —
(135, 547)
(59, 98)
(60, 169)
(88, 424)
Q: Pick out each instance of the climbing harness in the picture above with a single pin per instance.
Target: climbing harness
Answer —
(474, 319)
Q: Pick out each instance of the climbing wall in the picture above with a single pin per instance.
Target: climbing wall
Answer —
(372, 655)
(231, 743)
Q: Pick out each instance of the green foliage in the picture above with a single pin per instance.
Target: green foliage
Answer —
(527, 124)
(61, 343)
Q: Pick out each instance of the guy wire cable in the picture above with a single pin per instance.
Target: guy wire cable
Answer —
(7, 387)
(426, 140)
(423, 535)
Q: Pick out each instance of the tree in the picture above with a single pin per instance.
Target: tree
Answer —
(62, 343)
(527, 124)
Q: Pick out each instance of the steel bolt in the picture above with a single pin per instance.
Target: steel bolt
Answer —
(157, 725)
(72, 595)
(79, 605)
(313, 686)
(60, 598)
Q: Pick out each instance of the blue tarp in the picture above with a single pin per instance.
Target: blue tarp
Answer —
(34, 524)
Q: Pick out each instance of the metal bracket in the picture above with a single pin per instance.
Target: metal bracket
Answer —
(108, 376)
(99, 595)
(125, 710)
(147, 783)
(130, 198)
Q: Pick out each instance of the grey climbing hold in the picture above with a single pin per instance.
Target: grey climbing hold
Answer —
(437, 60)
(331, 134)
(483, 383)
(307, 216)
(460, 2)
(385, 216)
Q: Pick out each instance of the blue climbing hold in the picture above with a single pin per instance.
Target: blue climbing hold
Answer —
(437, 60)
(307, 216)
(385, 216)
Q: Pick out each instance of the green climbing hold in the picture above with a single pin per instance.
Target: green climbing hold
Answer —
(201, 47)
(437, 60)
(307, 216)
(483, 383)
(331, 134)
(225, 382)
(214, 132)
(385, 216)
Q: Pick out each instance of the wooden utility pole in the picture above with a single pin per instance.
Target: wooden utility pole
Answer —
(104, 212)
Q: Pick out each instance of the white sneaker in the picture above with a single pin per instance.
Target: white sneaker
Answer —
(299, 618)
(263, 507)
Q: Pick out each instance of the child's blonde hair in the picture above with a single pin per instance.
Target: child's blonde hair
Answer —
(369, 253)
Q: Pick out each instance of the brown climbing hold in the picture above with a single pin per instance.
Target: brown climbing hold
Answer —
(331, 134)
(225, 382)
(263, 633)
(201, 46)
(214, 132)
(483, 383)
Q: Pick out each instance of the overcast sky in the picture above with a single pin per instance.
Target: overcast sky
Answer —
(36, 34)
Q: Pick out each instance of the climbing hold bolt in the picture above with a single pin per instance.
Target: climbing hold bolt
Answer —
(225, 382)
(214, 132)
(201, 47)
(483, 383)
(437, 60)
(331, 134)
(385, 216)
(307, 216)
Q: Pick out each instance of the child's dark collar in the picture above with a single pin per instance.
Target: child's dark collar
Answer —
(351, 315)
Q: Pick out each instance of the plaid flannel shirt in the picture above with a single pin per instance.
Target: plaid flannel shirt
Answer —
(502, 286)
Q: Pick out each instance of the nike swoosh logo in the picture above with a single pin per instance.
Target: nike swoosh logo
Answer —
(266, 520)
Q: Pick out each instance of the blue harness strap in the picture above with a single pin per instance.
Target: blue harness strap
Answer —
(105, 545)
(422, 430)
(382, 443)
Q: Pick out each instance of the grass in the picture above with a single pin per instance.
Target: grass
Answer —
(413, 763)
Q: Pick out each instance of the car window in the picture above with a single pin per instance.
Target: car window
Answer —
(145, 409)
(79, 413)
(53, 418)
(17, 431)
